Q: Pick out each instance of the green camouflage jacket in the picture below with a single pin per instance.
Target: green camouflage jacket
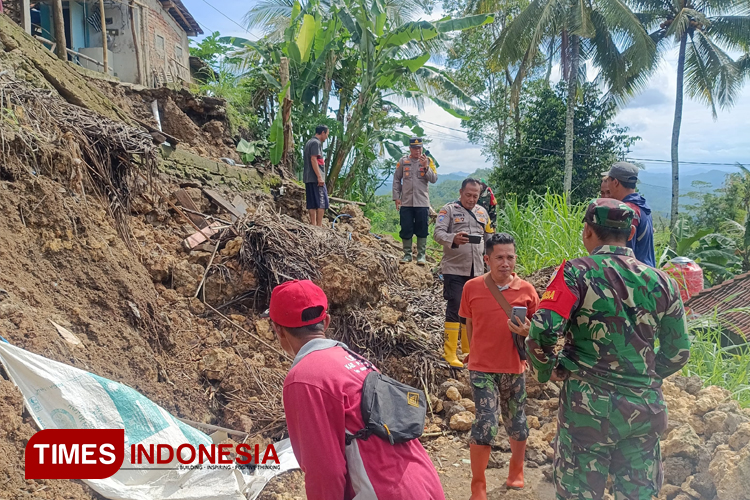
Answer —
(612, 310)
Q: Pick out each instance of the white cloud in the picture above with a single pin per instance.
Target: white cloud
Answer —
(651, 115)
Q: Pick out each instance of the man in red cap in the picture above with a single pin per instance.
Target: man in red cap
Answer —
(322, 397)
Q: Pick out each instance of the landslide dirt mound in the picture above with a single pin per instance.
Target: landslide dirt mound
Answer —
(200, 122)
(15, 431)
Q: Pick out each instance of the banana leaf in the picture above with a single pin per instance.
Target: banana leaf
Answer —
(417, 30)
(414, 63)
(463, 23)
(306, 37)
(393, 150)
(458, 113)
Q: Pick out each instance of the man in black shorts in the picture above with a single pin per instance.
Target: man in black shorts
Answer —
(315, 185)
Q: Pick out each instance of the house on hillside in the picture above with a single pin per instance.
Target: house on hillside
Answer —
(728, 296)
(147, 40)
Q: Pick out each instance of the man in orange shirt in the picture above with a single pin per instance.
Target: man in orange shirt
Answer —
(495, 367)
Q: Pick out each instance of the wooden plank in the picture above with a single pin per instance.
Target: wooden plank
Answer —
(173, 141)
(240, 204)
(186, 201)
(223, 203)
(341, 200)
(201, 236)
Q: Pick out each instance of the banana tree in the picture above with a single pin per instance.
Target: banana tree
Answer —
(310, 41)
(391, 60)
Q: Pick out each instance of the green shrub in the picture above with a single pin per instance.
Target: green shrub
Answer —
(717, 361)
(547, 230)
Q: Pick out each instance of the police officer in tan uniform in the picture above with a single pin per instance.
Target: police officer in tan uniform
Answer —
(410, 192)
(459, 223)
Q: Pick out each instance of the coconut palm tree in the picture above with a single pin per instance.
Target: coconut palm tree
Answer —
(274, 16)
(604, 32)
(705, 31)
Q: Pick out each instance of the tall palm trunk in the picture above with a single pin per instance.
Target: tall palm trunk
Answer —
(676, 141)
(328, 82)
(353, 128)
(570, 114)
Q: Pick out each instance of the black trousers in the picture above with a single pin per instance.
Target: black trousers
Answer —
(414, 220)
(453, 288)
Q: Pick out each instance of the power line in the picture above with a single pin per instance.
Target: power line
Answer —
(443, 126)
(204, 26)
(441, 134)
(220, 12)
(647, 160)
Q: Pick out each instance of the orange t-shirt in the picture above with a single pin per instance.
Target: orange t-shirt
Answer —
(492, 348)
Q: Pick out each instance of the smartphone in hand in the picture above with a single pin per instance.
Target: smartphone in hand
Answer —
(474, 239)
(518, 315)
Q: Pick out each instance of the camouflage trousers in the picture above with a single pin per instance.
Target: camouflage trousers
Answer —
(497, 394)
(601, 433)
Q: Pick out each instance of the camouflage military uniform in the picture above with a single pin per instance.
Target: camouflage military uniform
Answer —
(612, 309)
(506, 390)
(489, 203)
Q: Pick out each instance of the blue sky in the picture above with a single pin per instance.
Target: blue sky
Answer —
(649, 115)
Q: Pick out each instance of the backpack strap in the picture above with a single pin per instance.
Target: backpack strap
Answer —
(518, 341)
(367, 363)
(362, 433)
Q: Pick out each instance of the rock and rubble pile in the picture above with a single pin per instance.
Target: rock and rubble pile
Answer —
(706, 450)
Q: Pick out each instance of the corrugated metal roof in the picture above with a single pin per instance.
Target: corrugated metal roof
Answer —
(731, 294)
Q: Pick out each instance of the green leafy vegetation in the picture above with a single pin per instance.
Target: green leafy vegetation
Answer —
(546, 227)
(718, 360)
(534, 163)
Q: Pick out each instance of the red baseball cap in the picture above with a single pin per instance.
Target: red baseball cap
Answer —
(290, 299)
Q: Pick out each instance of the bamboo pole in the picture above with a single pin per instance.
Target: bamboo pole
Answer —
(131, 9)
(105, 60)
(286, 113)
(59, 20)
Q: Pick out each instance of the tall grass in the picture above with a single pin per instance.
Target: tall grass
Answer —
(716, 360)
(547, 230)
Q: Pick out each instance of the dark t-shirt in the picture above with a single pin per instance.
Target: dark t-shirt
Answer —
(313, 149)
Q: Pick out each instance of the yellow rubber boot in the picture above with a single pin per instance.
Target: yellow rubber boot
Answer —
(450, 343)
(464, 340)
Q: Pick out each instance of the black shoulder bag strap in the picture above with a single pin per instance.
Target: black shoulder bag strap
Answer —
(471, 212)
(518, 340)
(362, 433)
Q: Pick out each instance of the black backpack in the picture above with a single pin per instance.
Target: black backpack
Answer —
(391, 410)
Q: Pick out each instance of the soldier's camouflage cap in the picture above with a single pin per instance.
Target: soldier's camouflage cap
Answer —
(608, 212)
(415, 141)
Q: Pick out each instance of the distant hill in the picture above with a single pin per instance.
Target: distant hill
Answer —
(445, 189)
(657, 188)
